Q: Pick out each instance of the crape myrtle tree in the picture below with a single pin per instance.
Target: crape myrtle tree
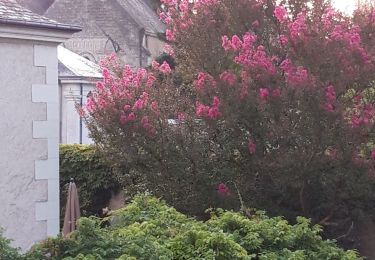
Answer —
(268, 101)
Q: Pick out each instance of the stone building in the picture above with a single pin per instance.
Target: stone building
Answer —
(29, 123)
(77, 78)
(130, 28)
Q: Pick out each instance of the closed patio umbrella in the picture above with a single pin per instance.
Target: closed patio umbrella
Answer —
(72, 211)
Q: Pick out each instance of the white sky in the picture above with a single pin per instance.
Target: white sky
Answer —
(346, 6)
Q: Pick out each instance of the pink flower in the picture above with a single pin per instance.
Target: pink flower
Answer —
(263, 94)
(330, 94)
(207, 112)
(229, 78)
(244, 92)
(201, 110)
(373, 154)
(164, 68)
(214, 113)
(144, 97)
(356, 121)
(131, 116)
(281, 14)
(169, 50)
(164, 18)
(298, 27)
(236, 42)
(223, 190)
(295, 76)
(170, 35)
(181, 116)
(216, 101)
(283, 40)
(200, 82)
(127, 107)
(150, 80)
(329, 107)
(154, 106)
(286, 65)
(169, 2)
(123, 119)
(100, 85)
(330, 98)
(276, 92)
(138, 105)
(251, 147)
(226, 44)
(184, 6)
(155, 65)
(248, 40)
(255, 24)
(106, 75)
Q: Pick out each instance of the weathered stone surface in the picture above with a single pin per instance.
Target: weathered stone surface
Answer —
(18, 188)
(128, 27)
(37, 6)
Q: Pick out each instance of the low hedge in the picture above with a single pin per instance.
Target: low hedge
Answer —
(149, 229)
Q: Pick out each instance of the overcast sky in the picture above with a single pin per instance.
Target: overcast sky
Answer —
(346, 6)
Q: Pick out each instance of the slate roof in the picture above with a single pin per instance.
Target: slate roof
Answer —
(143, 15)
(74, 65)
(12, 13)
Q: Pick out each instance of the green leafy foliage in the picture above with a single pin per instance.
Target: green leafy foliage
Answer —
(95, 180)
(6, 251)
(149, 229)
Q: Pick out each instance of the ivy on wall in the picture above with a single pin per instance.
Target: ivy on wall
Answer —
(96, 181)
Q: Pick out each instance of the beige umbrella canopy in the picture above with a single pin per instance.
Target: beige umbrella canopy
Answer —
(72, 212)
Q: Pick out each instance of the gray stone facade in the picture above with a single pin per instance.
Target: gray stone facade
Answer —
(129, 28)
(29, 123)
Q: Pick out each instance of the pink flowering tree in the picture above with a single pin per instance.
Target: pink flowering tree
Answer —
(273, 97)
(142, 122)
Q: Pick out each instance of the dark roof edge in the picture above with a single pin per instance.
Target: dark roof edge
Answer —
(43, 25)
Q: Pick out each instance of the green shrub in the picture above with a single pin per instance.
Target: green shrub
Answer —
(149, 229)
(95, 180)
(6, 251)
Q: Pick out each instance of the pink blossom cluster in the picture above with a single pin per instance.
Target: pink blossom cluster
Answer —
(146, 124)
(283, 39)
(208, 112)
(330, 98)
(351, 37)
(251, 146)
(362, 115)
(229, 78)
(265, 93)
(163, 68)
(203, 80)
(252, 57)
(169, 50)
(298, 27)
(127, 96)
(223, 189)
(281, 14)
(296, 76)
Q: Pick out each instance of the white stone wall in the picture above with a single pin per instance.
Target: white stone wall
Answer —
(29, 119)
